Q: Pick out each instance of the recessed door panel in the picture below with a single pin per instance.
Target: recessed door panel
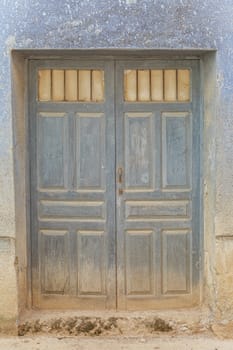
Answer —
(90, 151)
(91, 261)
(176, 269)
(54, 262)
(139, 260)
(176, 150)
(138, 142)
(52, 150)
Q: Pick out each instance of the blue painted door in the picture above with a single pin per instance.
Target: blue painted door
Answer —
(158, 187)
(115, 183)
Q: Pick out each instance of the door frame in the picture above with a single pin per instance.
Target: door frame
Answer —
(20, 59)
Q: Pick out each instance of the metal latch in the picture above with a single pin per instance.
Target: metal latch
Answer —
(120, 175)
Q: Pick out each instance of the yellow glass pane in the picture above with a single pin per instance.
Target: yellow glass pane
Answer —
(130, 85)
(170, 84)
(84, 85)
(183, 79)
(97, 85)
(58, 81)
(157, 85)
(44, 85)
(143, 85)
(71, 85)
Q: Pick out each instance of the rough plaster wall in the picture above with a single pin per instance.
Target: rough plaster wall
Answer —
(8, 284)
(8, 295)
(118, 23)
(224, 173)
(224, 271)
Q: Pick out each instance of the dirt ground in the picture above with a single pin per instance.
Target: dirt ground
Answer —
(159, 342)
(164, 330)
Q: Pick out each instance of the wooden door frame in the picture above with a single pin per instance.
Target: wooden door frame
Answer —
(19, 69)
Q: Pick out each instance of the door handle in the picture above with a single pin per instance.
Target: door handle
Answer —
(120, 175)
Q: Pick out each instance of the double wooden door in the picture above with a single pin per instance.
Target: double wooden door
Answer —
(115, 183)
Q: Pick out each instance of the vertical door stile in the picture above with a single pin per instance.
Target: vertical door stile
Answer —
(110, 170)
(120, 185)
(197, 142)
(33, 257)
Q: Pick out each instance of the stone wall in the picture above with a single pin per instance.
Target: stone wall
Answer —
(169, 24)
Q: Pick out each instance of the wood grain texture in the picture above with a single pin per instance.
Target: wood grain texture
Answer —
(183, 84)
(58, 85)
(157, 85)
(97, 85)
(44, 84)
(84, 85)
(170, 85)
(71, 85)
(130, 85)
(144, 86)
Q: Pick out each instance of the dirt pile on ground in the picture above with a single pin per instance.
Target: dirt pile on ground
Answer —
(95, 326)
(109, 326)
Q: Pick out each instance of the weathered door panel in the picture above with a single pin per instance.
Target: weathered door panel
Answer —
(158, 199)
(72, 185)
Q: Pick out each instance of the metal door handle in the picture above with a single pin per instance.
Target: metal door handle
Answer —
(120, 175)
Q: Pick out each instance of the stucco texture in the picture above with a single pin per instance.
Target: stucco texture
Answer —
(171, 24)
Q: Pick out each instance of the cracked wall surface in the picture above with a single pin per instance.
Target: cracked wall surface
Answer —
(168, 24)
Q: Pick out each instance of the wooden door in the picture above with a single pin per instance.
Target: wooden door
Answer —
(110, 142)
(158, 187)
(72, 149)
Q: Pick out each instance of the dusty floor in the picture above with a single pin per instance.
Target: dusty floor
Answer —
(161, 342)
(164, 330)
(99, 323)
